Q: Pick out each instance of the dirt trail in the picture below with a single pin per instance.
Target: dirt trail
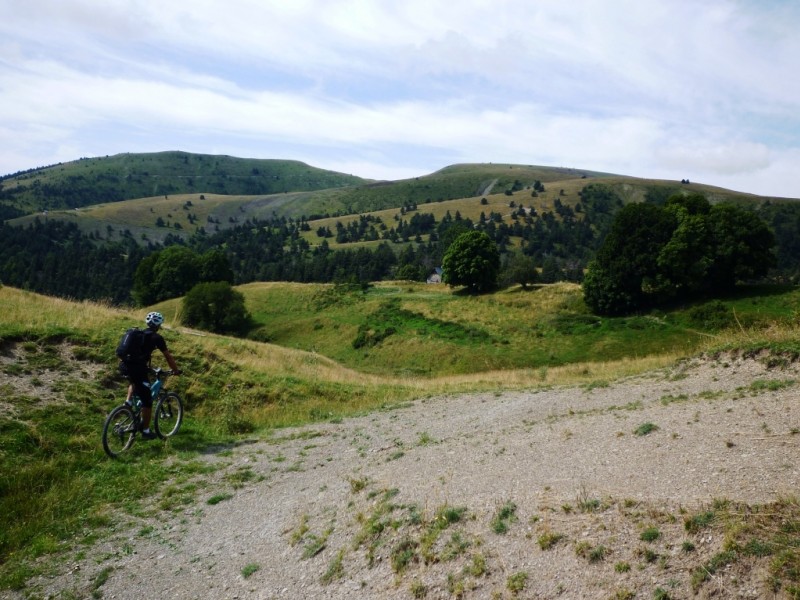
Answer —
(326, 511)
(488, 189)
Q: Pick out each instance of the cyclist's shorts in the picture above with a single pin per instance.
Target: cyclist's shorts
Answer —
(137, 375)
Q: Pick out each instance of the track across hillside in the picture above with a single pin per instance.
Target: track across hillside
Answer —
(556, 493)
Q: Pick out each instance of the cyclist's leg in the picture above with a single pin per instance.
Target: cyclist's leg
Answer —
(129, 374)
(141, 387)
(147, 403)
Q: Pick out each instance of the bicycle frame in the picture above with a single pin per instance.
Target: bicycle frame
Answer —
(155, 387)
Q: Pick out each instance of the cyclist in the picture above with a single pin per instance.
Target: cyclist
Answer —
(136, 369)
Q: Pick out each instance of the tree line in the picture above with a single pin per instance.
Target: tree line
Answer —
(681, 251)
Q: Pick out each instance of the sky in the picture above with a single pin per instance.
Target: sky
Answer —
(705, 90)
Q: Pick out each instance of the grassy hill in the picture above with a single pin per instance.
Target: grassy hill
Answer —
(163, 201)
(168, 195)
(405, 329)
(499, 198)
(60, 492)
(90, 181)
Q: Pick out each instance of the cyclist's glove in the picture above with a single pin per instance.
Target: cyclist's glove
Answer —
(177, 372)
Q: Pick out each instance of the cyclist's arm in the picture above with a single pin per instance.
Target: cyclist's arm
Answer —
(170, 360)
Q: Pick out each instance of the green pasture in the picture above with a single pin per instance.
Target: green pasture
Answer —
(406, 328)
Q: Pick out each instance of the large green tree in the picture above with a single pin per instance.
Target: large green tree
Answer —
(654, 254)
(175, 270)
(144, 286)
(684, 261)
(215, 266)
(743, 246)
(472, 260)
(626, 267)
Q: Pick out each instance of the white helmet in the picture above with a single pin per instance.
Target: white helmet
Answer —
(154, 319)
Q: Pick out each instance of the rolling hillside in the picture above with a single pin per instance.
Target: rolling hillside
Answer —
(91, 181)
(393, 229)
(176, 193)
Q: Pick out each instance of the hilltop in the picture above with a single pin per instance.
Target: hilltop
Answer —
(153, 196)
(90, 181)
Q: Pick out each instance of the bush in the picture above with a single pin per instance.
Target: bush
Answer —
(216, 307)
(712, 315)
(368, 338)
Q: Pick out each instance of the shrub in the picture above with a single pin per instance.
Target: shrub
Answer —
(216, 307)
(712, 315)
(645, 428)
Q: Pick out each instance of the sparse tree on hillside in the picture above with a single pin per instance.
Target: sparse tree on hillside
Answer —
(472, 260)
(519, 268)
(551, 270)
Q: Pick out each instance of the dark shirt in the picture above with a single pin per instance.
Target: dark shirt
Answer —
(152, 340)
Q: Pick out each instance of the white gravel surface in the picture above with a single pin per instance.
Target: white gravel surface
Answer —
(565, 461)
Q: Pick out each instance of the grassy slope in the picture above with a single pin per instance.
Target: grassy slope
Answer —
(437, 332)
(457, 188)
(55, 482)
(452, 183)
(565, 190)
(127, 176)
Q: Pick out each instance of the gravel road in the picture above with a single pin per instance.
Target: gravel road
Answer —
(531, 494)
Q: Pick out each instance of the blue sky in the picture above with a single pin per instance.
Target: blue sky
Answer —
(700, 89)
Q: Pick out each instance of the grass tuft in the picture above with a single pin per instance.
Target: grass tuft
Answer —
(645, 428)
(249, 569)
(504, 516)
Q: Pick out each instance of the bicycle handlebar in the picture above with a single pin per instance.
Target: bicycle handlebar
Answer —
(164, 372)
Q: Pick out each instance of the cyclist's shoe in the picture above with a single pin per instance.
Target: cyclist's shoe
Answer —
(148, 435)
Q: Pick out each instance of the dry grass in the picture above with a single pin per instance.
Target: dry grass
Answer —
(143, 212)
(36, 312)
(26, 312)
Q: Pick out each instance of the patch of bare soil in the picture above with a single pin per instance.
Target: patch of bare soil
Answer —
(569, 492)
(38, 373)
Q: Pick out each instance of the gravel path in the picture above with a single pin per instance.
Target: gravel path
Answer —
(326, 511)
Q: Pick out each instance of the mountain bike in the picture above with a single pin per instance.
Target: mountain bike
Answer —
(125, 421)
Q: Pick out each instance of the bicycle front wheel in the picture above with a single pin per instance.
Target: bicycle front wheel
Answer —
(119, 431)
(168, 415)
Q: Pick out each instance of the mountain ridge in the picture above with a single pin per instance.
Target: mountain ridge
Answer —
(93, 191)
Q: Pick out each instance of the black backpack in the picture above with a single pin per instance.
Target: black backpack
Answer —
(131, 345)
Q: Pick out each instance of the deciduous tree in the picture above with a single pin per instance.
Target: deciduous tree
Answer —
(684, 248)
(472, 260)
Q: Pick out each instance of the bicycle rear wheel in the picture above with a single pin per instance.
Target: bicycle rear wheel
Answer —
(168, 415)
(119, 431)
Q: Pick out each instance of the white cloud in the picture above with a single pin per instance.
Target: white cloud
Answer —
(639, 87)
(724, 158)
